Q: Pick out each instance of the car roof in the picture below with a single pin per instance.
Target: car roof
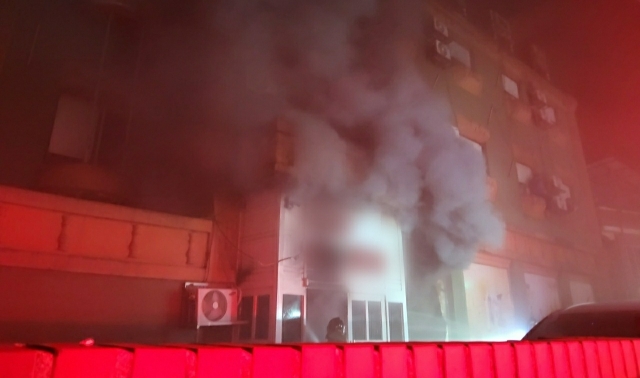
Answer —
(606, 307)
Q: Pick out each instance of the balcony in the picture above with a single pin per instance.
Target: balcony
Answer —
(466, 79)
(46, 231)
(472, 130)
(518, 110)
(534, 206)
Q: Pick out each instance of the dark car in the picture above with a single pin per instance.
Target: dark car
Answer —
(621, 319)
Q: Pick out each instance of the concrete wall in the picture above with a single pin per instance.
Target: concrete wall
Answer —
(53, 306)
(52, 232)
(71, 269)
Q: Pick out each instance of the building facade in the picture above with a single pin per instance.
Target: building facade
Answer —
(615, 190)
(537, 178)
(113, 264)
(305, 264)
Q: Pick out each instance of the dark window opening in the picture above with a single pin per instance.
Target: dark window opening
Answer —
(246, 315)
(292, 318)
(359, 319)
(262, 318)
(375, 320)
(396, 322)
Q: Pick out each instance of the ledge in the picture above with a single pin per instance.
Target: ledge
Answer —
(472, 130)
(467, 80)
(78, 264)
(76, 206)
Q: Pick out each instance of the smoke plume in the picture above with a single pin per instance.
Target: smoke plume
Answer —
(345, 75)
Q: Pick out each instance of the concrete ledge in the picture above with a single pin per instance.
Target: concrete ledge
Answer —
(75, 206)
(79, 264)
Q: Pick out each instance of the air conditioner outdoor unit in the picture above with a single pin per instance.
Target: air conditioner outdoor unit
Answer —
(538, 97)
(562, 198)
(440, 27)
(442, 52)
(546, 115)
(215, 306)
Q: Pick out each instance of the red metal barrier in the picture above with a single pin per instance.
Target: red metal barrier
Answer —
(25, 363)
(552, 359)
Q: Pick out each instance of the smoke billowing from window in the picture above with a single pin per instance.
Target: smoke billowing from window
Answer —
(345, 75)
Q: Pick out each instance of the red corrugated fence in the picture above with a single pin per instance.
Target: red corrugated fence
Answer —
(553, 359)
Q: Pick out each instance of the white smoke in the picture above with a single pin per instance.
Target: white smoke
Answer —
(345, 75)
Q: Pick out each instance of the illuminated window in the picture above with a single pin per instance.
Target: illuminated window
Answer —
(74, 128)
(524, 173)
(510, 86)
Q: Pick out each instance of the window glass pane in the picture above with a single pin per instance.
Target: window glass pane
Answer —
(375, 320)
(291, 318)
(396, 322)
(510, 86)
(460, 53)
(359, 319)
(524, 173)
(246, 314)
(262, 318)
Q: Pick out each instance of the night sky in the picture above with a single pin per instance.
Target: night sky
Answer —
(593, 48)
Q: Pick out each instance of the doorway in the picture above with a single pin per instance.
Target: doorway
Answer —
(322, 306)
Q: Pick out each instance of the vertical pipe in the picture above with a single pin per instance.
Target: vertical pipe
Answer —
(134, 92)
(93, 155)
(33, 45)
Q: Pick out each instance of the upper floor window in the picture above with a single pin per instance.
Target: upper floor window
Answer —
(544, 114)
(524, 173)
(510, 86)
(460, 54)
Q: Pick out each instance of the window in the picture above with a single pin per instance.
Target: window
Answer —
(396, 322)
(510, 86)
(359, 319)
(73, 128)
(246, 315)
(368, 322)
(262, 318)
(292, 318)
(460, 53)
(548, 114)
(375, 320)
(524, 173)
